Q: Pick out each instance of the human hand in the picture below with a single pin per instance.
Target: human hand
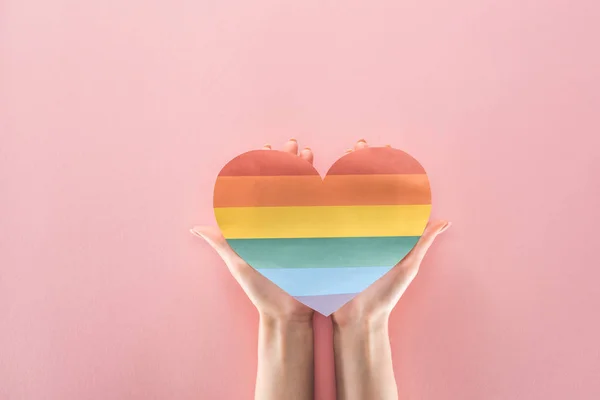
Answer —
(362, 351)
(374, 304)
(269, 299)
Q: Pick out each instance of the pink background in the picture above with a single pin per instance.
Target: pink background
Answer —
(116, 116)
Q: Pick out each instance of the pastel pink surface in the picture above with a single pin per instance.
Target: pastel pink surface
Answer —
(115, 118)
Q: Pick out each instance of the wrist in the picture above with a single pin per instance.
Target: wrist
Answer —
(360, 322)
(361, 329)
(286, 323)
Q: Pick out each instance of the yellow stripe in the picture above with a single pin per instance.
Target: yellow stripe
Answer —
(322, 221)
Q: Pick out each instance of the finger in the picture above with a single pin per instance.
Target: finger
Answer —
(307, 154)
(400, 277)
(361, 144)
(433, 229)
(267, 147)
(209, 233)
(247, 277)
(291, 146)
(215, 239)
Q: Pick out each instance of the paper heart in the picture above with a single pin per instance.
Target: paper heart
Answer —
(323, 241)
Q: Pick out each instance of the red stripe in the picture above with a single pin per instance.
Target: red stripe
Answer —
(376, 160)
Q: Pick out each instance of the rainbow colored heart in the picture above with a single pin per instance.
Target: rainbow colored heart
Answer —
(323, 241)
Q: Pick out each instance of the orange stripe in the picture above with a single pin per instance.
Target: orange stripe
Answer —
(267, 163)
(336, 190)
(376, 160)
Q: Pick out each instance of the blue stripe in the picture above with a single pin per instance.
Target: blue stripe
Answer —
(320, 281)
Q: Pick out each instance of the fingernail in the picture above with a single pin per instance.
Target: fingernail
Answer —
(445, 227)
(362, 140)
(307, 148)
(348, 151)
(293, 140)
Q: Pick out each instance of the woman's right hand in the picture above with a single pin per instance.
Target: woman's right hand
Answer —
(270, 300)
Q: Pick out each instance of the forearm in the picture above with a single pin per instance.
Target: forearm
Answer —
(363, 362)
(285, 360)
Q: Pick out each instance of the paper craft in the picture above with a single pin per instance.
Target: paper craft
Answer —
(323, 241)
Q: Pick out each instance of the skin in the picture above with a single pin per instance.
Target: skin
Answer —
(363, 358)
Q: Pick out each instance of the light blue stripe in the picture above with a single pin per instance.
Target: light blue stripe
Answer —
(321, 281)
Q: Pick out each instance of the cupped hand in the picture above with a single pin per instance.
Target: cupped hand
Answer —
(372, 305)
(270, 300)
(375, 303)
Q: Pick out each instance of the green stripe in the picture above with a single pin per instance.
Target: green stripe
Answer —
(324, 252)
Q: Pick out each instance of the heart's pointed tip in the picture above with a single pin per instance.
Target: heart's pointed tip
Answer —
(326, 304)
